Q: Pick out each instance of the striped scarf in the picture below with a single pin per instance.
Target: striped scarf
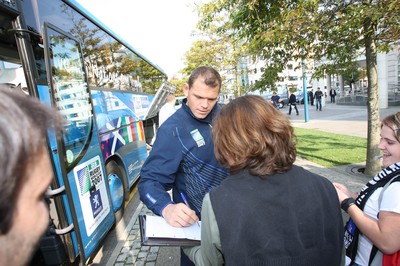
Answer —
(351, 232)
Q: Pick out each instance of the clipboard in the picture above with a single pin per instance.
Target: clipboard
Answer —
(147, 240)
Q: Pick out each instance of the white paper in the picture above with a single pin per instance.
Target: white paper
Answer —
(156, 226)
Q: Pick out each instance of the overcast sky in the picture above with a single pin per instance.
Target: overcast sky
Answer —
(158, 29)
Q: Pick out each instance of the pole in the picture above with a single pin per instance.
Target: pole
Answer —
(305, 93)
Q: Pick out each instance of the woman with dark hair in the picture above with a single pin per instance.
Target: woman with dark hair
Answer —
(268, 211)
(374, 225)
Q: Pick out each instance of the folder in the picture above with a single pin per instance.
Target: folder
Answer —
(155, 231)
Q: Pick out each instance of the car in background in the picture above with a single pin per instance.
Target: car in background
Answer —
(300, 97)
(284, 98)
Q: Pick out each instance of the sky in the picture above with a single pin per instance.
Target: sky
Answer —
(160, 30)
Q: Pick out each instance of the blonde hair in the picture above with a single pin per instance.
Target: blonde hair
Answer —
(393, 122)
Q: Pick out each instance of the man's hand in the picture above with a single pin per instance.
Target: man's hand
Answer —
(179, 215)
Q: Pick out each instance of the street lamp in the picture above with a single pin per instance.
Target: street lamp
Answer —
(305, 93)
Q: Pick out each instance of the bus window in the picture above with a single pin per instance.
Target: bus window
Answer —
(70, 93)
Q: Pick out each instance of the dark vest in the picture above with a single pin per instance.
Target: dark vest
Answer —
(285, 219)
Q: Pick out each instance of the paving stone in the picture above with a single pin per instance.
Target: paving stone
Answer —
(134, 252)
(125, 249)
(139, 263)
(130, 260)
(154, 249)
(152, 257)
(122, 257)
(145, 248)
(142, 255)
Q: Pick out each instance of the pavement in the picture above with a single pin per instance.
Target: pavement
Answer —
(340, 119)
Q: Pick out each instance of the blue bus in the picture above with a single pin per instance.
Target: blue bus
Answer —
(126, 123)
(109, 95)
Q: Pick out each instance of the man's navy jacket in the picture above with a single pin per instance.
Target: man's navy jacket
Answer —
(182, 159)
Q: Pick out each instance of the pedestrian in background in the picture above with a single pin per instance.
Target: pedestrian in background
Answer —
(311, 97)
(268, 211)
(292, 103)
(373, 229)
(332, 93)
(25, 174)
(318, 99)
(276, 100)
(167, 109)
(182, 157)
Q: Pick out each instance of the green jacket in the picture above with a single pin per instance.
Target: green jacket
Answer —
(210, 252)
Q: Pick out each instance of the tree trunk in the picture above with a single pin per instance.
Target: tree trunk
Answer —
(372, 165)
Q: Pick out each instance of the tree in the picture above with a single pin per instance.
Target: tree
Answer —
(219, 51)
(178, 84)
(331, 31)
(204, 52)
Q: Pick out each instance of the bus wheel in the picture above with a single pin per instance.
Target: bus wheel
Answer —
(117, 190)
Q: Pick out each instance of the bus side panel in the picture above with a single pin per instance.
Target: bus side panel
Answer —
(65, 218)
(109, 105)
(121, 132)
(133, 156)
(92, 202)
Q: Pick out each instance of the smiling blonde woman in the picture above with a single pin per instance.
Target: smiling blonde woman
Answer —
(374, 226)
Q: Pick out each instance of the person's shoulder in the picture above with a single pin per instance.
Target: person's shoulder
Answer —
(394, 185)
(163, 107)
(177, 119)
(306, 173)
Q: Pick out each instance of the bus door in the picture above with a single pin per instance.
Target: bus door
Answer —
(80, 158)
(150, 119)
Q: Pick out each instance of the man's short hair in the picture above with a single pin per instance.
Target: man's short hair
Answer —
(211, 77)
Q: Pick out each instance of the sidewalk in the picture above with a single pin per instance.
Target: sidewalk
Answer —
(340, 119)
(346, 120)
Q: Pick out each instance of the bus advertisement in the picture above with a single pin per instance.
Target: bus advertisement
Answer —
(109, 95)
(120, 117)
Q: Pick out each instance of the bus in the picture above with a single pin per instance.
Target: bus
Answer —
(109, 95)
(127, 124)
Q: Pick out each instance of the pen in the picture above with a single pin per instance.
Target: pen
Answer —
(185, 200)
(187, 204)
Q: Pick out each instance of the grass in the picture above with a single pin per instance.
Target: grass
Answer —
(329, 149)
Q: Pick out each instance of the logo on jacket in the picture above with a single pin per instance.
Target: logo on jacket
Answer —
(198, 138)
